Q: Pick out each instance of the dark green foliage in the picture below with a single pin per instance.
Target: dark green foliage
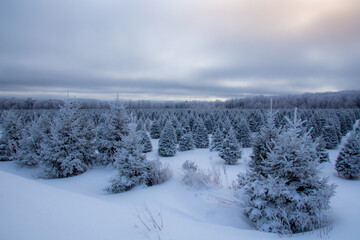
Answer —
(243, 133)
(155, 130)
(320, 149)
(230, 149)
(348, 162)
(186, 142)
(216, 140)
(330, 137)
(255, 121)
(11, 129)
(200, 136)
(145, 141)
(167, 141)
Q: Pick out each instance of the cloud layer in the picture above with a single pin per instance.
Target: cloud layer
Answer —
(168, 49)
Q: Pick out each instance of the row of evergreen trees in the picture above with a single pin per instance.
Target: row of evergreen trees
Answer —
(331, 125)
(177, 129)
(69, 143)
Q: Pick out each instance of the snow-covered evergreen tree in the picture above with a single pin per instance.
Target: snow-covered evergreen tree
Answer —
(186, 142)
(67, 150)
(255, 121)
(140, 125)
(288, 196)
(263, 142)
(330, 137)
(200, 136)
(145, 141)
(230, 149)
(155, 130)
(130, 163)
(348, 162)
(209, 124)
(243, 133)
(321, 151)
(111, 132)
(216, 140)
(29, 149)
(179, 131)
(167, 141)
(11, 129)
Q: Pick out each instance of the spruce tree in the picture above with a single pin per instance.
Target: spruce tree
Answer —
(167, 141)
(130, 163)
(348, 161)
(209, 124)
(263, 142)
(29, 149)
(200, 136)
(230, 149)
(321, 151)
(67, 150)
(11, 129)
(145, 142)
(179, 131)
(330, 137)
(186, 142)
(111, 132)
(155, 130)
(243, 133)
(288, 196)
(255, 121)
(216, 140)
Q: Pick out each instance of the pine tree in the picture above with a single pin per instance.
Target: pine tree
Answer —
(263, 142)
(230, 149)
(348, 162)
(111, 132)
(217, 140)
(209, 124)
(200, 136)
(243, 133)
(167, 141)
(155, 130)
(186, 142)
(11, 129)
(179, 131)
(130, 163)
(255, 121)
(67, 150)
(330, 137)
(320, 149)
(288, 196)
(145, 142)
(140, 125)
(29, 149)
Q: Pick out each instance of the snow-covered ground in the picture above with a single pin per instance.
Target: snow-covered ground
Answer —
(78, 208)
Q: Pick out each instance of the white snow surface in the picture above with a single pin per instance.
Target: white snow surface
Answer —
(79, 208)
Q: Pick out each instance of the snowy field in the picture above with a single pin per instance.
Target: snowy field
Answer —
(79, 208)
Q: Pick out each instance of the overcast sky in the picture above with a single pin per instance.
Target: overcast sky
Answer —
(178, 49)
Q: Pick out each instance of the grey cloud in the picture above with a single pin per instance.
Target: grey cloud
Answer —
(179, 48)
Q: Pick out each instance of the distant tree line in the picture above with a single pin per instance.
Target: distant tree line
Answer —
(327, 100)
